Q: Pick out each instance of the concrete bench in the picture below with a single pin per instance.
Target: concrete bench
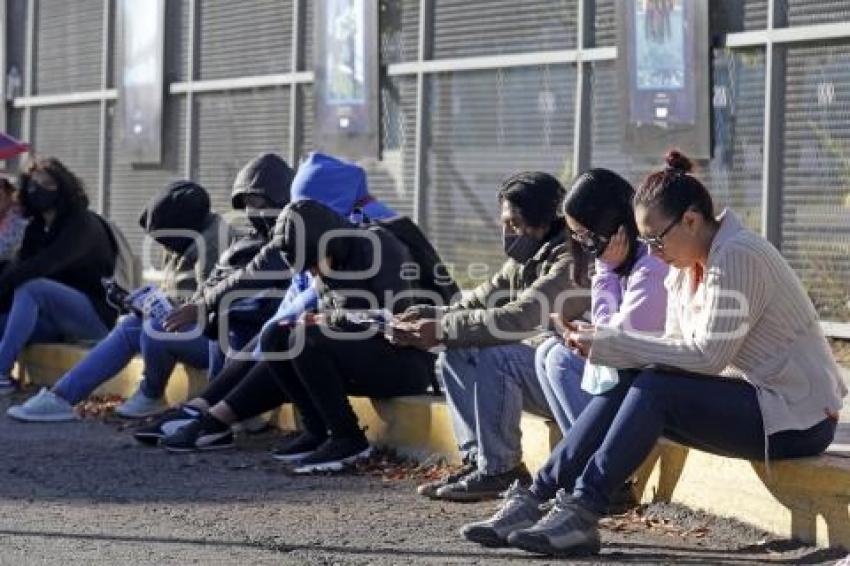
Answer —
(808, 499)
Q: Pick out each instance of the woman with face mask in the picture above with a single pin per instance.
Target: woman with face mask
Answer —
(743, 369)
(54, 283)
(178, 218)
(627, 288)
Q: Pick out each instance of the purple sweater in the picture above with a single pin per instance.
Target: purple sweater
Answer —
(637, 301)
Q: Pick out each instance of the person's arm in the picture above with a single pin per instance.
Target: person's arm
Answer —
(606, 295)
(524, 317)
(643, 304)
(387, 284)
(736, 294)
(475, 299)
(71, 245)
(266, 270)
(10, 240)
(297, 303)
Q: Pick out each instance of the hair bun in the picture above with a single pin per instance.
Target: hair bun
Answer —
(678, 161)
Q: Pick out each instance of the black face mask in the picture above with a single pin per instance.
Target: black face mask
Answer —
(262, 220)
(37, 199)
(175, 244)
(520, 248)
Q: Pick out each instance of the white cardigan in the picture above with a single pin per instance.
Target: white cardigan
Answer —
(750, 318)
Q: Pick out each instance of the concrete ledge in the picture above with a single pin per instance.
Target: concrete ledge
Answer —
(44, 364)
(808, 499)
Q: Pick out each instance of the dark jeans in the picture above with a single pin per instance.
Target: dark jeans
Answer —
(322, 376)
(617, 431)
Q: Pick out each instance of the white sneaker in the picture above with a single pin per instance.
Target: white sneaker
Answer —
(140, 406)
(45, 407)
(7, 385)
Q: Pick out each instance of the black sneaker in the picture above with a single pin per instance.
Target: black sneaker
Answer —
(166, 424)
(334, 455)
(207, 433)
(430, 489)
(479, 486)
(298, 447)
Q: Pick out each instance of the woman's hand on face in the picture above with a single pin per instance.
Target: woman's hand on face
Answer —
(617, 249)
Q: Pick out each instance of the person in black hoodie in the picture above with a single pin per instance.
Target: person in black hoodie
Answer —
(54, 283)
(318, 362)
(249, 266)
(178, 218)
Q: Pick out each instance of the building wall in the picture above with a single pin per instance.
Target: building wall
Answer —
(491, 89)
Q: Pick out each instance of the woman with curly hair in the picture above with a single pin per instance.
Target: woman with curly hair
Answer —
(52, 288)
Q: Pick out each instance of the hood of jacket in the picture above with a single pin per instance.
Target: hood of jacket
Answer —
(267, 175)
(339, 184)
(300, 227)
(181, 205)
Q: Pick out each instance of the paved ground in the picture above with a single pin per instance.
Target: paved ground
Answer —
(84, 493)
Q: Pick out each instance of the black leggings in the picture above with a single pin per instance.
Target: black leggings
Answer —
(248, 387)
(320, 379)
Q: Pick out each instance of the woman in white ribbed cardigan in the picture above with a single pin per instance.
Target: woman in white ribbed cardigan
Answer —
(743, 368)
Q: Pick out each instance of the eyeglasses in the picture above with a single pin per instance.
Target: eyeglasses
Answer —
(591, 243)
(657, 242)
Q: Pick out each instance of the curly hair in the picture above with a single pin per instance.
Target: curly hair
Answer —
(72, 193)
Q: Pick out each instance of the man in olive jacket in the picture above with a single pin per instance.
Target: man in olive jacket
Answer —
(488, 366)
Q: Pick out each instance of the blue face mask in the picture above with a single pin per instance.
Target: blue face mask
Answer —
(597, 380)
(520, 248)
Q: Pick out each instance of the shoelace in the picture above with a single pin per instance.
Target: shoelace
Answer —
(511, 498)
(561, 504)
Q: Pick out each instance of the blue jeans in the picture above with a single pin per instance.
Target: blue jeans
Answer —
(560, 372)
(487, 390)
(113, 353)
(618, 429)
(44, 310)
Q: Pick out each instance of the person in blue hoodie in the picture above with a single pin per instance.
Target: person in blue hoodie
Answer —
(340, 185)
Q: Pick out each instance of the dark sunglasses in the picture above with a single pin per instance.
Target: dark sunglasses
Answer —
(590, 243)
(657, 242)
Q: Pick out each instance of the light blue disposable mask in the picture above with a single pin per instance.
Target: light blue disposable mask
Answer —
(597, 380)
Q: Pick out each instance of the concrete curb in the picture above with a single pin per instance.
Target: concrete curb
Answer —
(807, 499)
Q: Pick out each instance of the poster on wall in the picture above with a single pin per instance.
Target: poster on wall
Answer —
(346, 78)
(141, 35)
(665, 76)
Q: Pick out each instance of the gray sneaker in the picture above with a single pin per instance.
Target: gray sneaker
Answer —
(568, 529)
(479, 486)
(519, 510)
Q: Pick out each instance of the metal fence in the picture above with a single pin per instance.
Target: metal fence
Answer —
(471, 91)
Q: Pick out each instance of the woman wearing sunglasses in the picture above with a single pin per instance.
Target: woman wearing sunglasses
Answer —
(627, 291)
(743, 369)
(627, 288)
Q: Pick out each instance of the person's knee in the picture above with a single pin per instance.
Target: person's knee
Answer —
(273, 339)
(456, 360)
(651, 387)
(558, 359)
(34, 287)
(540, 356)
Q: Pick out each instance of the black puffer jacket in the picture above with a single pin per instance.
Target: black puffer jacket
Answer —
(385, 284)
(250, 263)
